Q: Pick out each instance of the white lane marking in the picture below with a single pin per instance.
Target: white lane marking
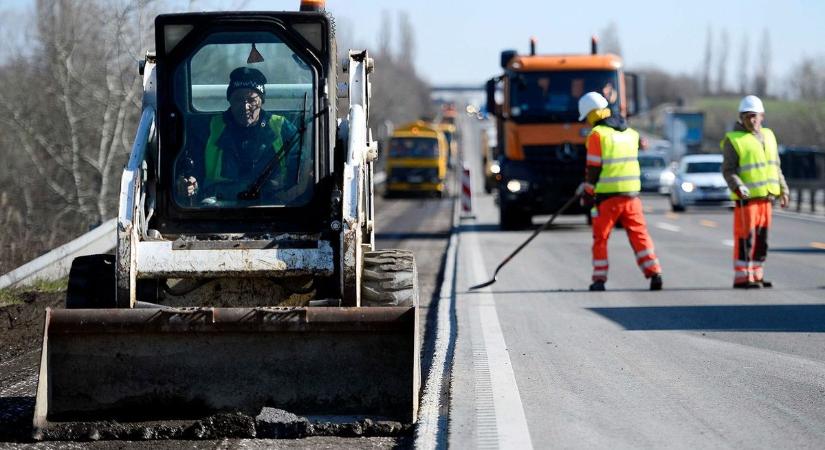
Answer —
(431, 429)
(668, 227)
(727, 242)
(511, 423)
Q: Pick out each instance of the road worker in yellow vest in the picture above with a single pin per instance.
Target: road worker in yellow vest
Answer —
(612, 185)
(754, 176)
(240, 143)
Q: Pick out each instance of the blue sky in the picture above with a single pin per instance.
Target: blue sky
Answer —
(458, 41)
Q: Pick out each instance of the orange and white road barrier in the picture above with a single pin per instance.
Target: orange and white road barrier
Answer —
(466, 194)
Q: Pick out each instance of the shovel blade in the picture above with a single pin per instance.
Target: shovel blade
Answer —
(153, 364)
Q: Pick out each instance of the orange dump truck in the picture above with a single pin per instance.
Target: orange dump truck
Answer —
(541, 141)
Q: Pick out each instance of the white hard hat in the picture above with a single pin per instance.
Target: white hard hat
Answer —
(590, 101)
(751, 103)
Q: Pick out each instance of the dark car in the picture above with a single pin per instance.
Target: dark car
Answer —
(652, 165)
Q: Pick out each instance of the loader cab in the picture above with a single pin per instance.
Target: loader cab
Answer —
(217, 175)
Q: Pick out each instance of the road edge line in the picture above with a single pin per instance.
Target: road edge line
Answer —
(432, 428)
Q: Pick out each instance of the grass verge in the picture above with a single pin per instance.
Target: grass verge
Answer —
(17, 295)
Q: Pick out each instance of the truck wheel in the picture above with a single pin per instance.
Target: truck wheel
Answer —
(513, 220)
(389, 278)
(675, 207)
(92, 282)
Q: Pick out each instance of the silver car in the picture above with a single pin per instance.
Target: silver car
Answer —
(698, 180)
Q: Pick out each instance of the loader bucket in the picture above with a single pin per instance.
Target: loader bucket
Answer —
(183, 363)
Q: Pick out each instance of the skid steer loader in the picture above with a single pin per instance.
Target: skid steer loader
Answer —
(245, 274)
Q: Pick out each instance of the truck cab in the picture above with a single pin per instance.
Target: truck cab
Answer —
(541, 142)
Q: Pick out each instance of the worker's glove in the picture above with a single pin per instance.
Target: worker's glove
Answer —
(784, 200)
(743, 192)
(585, 188)
(587, 195)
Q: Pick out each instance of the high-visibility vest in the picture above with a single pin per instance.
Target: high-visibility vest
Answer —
(214, 154)
(620, 163)
(758, 165)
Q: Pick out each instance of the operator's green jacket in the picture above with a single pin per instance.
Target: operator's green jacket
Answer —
(760, 170)
(233, 152)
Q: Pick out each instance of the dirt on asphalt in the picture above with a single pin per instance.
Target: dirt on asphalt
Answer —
(420, 225)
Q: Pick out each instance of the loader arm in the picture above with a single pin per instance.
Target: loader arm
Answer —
(357, 177)
(242, 346)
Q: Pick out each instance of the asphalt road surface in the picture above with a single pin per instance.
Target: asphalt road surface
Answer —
(419, 224)
(542, 362)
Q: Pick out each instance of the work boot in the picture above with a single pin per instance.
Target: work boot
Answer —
(597, 286)
(765, 283)
(747, 285)
(656, 282)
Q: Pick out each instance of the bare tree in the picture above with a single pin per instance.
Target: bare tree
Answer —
(406, 43)
(722, 63)
(744, 72)
(662, 87)
(398, 94)
(385, 37)
(760, 82)
(69, 104)
(708, 60)
(609, 39)
(807, 79)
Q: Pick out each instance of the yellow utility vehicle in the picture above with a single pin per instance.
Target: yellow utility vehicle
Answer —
(417, 160)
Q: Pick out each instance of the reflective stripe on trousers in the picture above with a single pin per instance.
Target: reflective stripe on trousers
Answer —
(629, 211)
(751, 223)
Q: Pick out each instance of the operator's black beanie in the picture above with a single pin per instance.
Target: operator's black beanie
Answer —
(247, 77)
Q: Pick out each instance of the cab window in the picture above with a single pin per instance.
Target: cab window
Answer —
(247, 100)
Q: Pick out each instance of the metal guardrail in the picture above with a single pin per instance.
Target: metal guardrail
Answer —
(56, 264)
(804, 170)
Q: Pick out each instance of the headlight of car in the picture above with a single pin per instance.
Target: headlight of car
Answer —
(687, 186)
(516, 186)
(495, 168)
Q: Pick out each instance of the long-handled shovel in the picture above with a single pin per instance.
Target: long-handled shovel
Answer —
(524, 244)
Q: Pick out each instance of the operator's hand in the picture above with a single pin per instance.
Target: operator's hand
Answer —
(743, 192)
(784, 200)
(187, 186)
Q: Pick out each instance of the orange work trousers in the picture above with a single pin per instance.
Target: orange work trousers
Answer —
(751, 223)
(629, 211)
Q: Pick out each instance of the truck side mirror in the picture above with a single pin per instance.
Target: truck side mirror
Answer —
(506, 56)
(490, 88)
(636, 94)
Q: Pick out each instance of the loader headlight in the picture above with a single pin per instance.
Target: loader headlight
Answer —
(687, 186)
(495, 168)
(516, 186)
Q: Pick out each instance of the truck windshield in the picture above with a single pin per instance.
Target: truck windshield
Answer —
(414, 148)
(554, 96)
(247, 101)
